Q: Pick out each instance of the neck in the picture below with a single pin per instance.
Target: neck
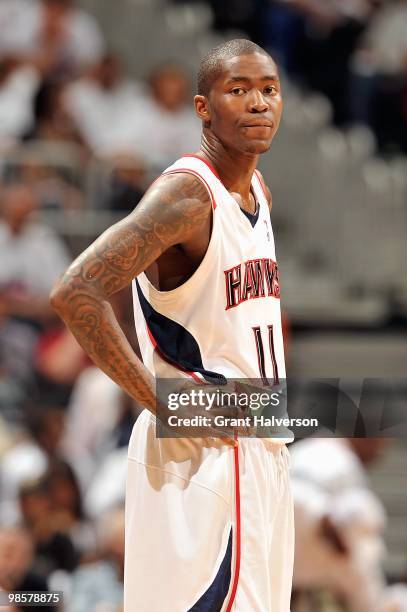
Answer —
(235, 169)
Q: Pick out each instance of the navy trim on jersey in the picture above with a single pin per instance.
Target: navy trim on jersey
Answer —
(176, 343)
(214, 597)
(253, 217)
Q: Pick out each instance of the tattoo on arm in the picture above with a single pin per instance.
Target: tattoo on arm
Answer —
(170, 212)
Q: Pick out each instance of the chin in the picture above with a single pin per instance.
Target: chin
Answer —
(257, 148)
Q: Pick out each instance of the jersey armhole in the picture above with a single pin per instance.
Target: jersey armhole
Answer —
(198, 176)
(145, 283)
(262, 185)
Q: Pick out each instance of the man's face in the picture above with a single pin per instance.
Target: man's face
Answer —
(170, 89)
(17, 207)
(245, 104)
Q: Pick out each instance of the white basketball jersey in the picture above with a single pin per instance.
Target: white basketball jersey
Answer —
(202, 516)
(225, 320)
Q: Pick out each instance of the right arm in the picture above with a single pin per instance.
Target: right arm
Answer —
(174, 210)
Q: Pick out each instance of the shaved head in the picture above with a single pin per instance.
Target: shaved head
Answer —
(212, 64)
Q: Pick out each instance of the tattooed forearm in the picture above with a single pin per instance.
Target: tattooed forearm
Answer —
(175, 208)
(92, 321)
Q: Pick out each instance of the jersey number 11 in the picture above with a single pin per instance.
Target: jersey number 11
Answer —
(260, 355)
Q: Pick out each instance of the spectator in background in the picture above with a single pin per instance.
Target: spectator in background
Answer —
(31, 258)
(89, 433)
(31, 255)
(339, 522)
(17, 21)
(314, 40)
(29, 457)
(52, 188)
(384, 44)
(70, 35)
(67, 507)
(53, 547)
(52, 120)
(167, 127)
(16, 560)
(380, 75)
(59, 359)
(117, 116)
(127, 183)
(243, 15)
(99, 586)
(102, 105)
(18, 86)
(62, 36)
(96, 440)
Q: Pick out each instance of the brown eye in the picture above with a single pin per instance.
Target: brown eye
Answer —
(237, 91)
(271, 90)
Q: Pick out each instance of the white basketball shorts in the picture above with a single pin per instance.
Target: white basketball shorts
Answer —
(209, 528)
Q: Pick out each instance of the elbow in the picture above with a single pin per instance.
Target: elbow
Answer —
(68, 291)
(58, 297)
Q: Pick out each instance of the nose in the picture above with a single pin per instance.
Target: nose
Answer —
(258, 103)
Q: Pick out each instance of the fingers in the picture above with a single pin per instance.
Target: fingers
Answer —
(217, 440)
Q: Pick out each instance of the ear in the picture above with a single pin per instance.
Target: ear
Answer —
(202, 108)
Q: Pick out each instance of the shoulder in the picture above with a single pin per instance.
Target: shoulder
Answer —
(266, 190)
(176, 208)
(178, 191)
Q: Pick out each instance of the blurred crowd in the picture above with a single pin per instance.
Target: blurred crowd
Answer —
(66, 100)
(340, 524)
(61, 85)
(353, 51)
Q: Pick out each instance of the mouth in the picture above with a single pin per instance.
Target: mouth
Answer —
(263, 124)
(258, 131)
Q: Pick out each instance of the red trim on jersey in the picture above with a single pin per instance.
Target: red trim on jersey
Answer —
(211, 168)
(194, 172)
(262, 183)
(238, 534)
(164, 358)
(201, 178)
(150, 335)
(192, 375)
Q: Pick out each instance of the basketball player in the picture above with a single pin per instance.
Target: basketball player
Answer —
(209, 524)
